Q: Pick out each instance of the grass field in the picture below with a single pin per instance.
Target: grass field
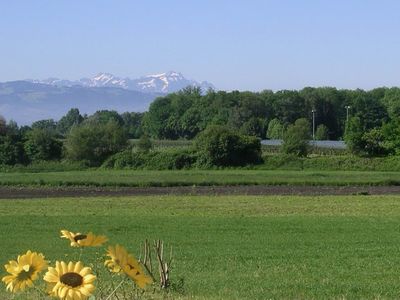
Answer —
(198, 177)
(240, 247)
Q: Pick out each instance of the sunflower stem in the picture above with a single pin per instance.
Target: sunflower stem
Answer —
(117, 287)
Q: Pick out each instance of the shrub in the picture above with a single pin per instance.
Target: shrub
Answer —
(321, 133)
(41, 144)
(219, 146)
(296, 138)
(94, 142)
(171, 159)
(275, 129)
(144, 144)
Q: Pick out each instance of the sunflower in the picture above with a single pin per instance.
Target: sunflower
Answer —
(70, 282)
(122, 262)
(24, 271)
(84, 240)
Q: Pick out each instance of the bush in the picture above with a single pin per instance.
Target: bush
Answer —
(41, 144)
(94, 142)
(353, 135)
(219, 146)
(296, 138)
(321, 133)
(170, 159)
(144, 144)
(11, 151)
(275, 129)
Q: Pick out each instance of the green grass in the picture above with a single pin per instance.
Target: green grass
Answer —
(241, 247)
(198, 177)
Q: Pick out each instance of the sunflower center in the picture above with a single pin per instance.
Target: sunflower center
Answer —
(80, 237)
(72, 279)
(26, 273)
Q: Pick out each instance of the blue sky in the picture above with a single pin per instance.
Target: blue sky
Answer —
(235, 44)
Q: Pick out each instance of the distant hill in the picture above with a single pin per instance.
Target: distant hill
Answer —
(26, 102)
(31, 100)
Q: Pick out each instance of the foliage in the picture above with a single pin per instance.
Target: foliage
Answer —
(49, 125)
(171, 159)
(321, 133)
(94, 142)
(296, 138)
(144, 144)
(72, 118)
(3, 125)
(275, 130)
(11, 150)
(104, 117)
(219, 146)
(41, 144)
(133, 124)
(254, 127)
(374, 143)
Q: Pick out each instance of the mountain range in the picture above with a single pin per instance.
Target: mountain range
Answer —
(26, 101)
(168, 82)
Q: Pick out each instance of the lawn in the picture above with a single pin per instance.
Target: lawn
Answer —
(198, 177)
(236, 247)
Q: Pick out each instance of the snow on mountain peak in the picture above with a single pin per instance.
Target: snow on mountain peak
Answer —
(167, 82)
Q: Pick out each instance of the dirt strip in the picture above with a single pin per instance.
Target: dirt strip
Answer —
(47, 192)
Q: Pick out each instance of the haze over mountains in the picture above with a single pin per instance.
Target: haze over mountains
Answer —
(29, 100)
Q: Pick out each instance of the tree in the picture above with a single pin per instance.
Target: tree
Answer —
(220, 146)
(133, 124)
(3, 126)
(254, 127)
(321, 133)
(354, 135)
(275, 130)
(93, 142)
(41, 144)
(144, 144)
(296, 138)
(104, 117)
(374, 143)
(73, 117)
(48, 124)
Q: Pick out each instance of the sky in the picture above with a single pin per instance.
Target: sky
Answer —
(234, 44)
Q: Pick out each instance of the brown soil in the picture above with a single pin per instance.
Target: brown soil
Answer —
(32, 192)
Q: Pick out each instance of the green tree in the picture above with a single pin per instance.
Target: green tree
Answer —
(133, 124)
(391, 133)
(48, 124)
(3, 126)
(72, 118)
(374, 143)
(11, 145)
(275, 130)
(296, 138)
(105, 117)
(144, 144)
(354, 135)
(220, 146)
(254, 127)
(94, 142)
(321, 133)
(41, 144)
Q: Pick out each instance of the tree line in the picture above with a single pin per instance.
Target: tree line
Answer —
(367, 120)
(266, 114)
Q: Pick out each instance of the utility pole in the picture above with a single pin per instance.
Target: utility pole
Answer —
(313, 124)
(347, 107)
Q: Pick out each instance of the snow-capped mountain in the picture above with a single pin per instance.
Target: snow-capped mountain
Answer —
(168, 82)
